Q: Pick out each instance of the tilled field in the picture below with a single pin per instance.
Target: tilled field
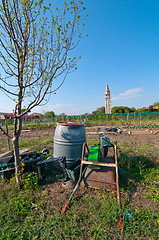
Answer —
(137, 143)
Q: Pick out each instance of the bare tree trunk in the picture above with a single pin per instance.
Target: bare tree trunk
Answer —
(18, 167)
(15, 141)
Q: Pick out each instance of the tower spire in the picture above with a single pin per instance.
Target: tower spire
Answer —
(107, 100)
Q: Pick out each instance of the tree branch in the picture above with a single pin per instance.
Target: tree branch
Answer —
(5, 133)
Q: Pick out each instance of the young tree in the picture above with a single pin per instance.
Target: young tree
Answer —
(35, 46)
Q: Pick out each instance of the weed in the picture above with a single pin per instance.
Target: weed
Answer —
(151, 181)
(30, 181)
(134, 169)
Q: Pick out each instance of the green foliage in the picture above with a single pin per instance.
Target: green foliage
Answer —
(30, 181)
(100, 110)
(156, 104)
(36, 41)
(37, 145)
(122, 109)
(142, 126)
(24, 109)
(151, 180)
(50, 114)
(20, 212)
(40, 125)
(134, 169)
(150, 108)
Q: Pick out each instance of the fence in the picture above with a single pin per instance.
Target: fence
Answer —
(100, 118)
(135, 116)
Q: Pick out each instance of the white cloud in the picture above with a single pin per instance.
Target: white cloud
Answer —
(69, 109)
(57, 108)
(131, 93)
(60, 107)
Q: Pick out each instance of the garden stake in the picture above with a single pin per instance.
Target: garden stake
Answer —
(120, 223)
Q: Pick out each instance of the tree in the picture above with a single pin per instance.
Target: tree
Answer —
(50, 114)
(100, 110)
(133, 109)
(35, 46)
(122, 109)
(156, 104)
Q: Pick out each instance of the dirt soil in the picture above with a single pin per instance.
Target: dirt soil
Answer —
(136, 196)
(137, 138)
(139, 144)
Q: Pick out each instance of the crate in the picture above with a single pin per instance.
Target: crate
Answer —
(7, 173)
(30, 160)
(51, 170)
(73, 170)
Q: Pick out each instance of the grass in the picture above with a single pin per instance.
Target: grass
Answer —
(38, 125)
(28, 214)
(32, 213)
(3, 144)
(37, 145)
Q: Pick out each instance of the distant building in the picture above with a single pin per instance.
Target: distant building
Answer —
(35, 115)
(62, 115)
(86, 114)
(10, 115)
(6, 115)
(107, 101)
(154, 108)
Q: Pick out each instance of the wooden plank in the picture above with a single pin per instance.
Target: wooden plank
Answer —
(117, 176)
(6, 154)
(23, 150)
(10, 153)
(99, 163)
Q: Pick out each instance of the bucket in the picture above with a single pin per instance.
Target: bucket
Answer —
(68, 141)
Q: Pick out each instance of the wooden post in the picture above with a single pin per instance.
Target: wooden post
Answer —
(7, 134)
(117, 176)
(127, 116)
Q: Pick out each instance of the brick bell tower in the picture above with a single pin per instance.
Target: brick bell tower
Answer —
(107, 101)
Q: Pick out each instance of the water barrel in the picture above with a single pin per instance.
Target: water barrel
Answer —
(68, 141)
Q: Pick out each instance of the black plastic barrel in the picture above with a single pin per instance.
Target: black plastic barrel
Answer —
(68, 141)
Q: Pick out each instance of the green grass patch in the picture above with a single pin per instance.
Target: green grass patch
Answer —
(39, 125)
(37, 145)
(28, 214)
(134, 169)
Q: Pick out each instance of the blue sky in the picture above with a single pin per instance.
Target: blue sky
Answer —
(122, 49)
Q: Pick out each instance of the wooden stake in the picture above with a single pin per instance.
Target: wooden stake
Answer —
(7, 134)
(117, 176)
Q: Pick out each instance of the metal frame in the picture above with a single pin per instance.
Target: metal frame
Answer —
(115, 165)
(81, 176)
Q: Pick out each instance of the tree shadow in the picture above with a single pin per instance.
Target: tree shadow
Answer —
(133, 169)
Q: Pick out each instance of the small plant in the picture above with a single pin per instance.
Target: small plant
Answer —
(30, 181)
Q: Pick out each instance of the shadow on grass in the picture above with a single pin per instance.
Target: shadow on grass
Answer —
(133, 169)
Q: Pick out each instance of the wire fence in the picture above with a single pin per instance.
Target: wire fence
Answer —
(100, 118)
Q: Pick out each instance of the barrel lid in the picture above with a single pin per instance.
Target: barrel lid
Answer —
(70, 124)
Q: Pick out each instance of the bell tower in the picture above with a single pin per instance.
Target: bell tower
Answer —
(107, 100)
